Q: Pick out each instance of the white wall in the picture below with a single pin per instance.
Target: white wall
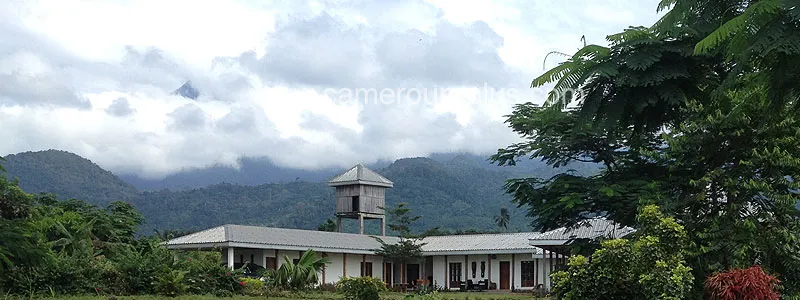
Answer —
(334, 270)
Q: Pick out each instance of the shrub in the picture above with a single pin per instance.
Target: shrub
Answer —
(742, 284)
(360, 288)
(327, 287)
(252, 286)
(171, 283)
(650, 266)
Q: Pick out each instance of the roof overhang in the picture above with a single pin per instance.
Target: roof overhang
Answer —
(548, 242)
(531, 251)
(361, 182)
(266, 247)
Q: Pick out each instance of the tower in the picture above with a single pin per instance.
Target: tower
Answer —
(360, 194)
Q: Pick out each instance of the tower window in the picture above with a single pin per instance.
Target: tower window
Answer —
(356, 204)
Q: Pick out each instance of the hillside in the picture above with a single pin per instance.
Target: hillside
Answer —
(451, 191)
(68, 176)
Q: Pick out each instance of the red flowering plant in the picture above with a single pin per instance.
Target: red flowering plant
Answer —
(742, 284)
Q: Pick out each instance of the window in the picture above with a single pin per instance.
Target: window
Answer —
(528, 273)
(455, 274)
(356, 205)
(241, 258)
(366, 270)
(252, 260)
(270, 263)
(295, 261)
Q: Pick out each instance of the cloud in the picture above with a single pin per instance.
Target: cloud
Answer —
(105, 92)
(326, 51)
(120, 108)
(189, 117)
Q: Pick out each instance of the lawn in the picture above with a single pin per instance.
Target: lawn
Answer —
(316, 295)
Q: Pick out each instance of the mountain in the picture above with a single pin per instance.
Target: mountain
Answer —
(450, 191)
(187, 90)
(68, 176)
(251, 171)
(256, 170)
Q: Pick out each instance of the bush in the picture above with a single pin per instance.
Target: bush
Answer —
(252, 286)
(171, 283)
(360, 288)
(742, 284)
(651, 266)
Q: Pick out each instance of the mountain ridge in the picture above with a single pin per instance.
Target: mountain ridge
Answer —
(451, 191)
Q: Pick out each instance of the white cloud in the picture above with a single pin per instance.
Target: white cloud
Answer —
(96, 77)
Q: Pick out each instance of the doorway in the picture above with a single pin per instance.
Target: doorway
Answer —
(505, 272)
(412, 273)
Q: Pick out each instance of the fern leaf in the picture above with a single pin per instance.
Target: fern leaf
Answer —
(737, 24)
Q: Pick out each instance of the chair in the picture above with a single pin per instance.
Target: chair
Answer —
(483, 284)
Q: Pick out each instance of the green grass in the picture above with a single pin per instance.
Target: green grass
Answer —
(313, 295)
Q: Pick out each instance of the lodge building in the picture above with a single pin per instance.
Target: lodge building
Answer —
(500, 261)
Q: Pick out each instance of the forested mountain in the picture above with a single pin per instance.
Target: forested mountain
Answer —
(68, 176)
(451, 191)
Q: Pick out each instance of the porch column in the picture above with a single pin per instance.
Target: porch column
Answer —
(338, 224)
(489, 285)
(446, 273)
(383, 226)
(513, 276)
(230, 258)
(360, 224)
(264, 258)
(344, 264)
(324, 267)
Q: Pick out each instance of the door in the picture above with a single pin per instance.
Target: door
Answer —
(505, 274)
(455, 275)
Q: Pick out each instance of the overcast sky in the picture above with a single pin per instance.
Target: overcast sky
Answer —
(308, 84)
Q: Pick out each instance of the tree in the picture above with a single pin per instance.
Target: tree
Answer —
(400, 220)
(502, 219)
(329, 226)
(409, 248)
(301, 275)
(687, 114)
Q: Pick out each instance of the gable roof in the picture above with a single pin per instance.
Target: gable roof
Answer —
(323, 241)
(279, 238)
(360, 174)
(590, 229)
(490, 243)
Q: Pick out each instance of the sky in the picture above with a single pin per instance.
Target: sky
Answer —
(308, 84)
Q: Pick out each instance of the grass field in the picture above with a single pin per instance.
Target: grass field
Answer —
(310, 295)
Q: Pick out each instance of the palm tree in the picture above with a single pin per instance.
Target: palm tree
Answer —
(503, 219)
(301, 275)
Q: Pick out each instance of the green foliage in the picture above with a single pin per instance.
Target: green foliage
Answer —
(170, 283)
(71, 247)
(399, 219)
(360, 288)
(252, 286)
(424, 183)
(300, 276)
(329, 226)
(696, 114)
(649, 266)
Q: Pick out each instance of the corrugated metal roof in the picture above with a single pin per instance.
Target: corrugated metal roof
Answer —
(282, 237)
(496, 242)
(360, 174)
(590, 229)
(309, 239)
